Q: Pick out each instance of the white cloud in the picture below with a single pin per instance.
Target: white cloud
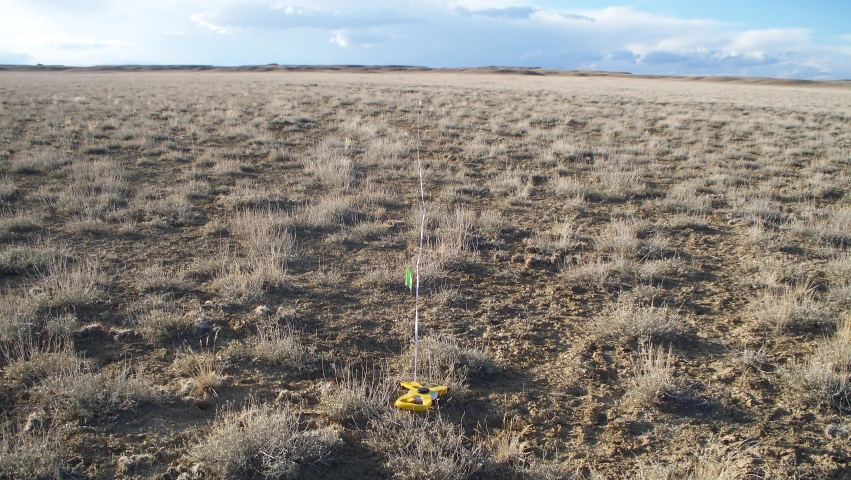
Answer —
(284, 17)
(203, 20)
(427, 32)
(357, 38)
(777, 38)
(340, 38)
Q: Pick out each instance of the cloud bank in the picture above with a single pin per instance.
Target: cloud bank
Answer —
(435, 33)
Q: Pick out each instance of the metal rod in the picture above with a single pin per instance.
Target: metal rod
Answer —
(420, 253)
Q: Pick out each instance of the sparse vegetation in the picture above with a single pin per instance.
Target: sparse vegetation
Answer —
(653, 376)
(81, 392)
(628, 321)
(261, 439)
(581, 231)
(445, 452)
(276, 344)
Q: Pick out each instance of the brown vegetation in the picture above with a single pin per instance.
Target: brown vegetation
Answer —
(202, 275)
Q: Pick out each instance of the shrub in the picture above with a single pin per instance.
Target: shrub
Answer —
(261, 439)
(69, 284)
(825, 377)
(277, 344)
(357, 398)
(445, 452)
(653, 376)
(31, 453)
(444, 361)
(81, 392)
(628, 321)
(203, 371)
(789, 308)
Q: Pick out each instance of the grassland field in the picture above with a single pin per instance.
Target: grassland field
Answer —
(202, 275)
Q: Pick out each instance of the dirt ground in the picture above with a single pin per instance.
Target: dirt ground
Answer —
(622, 277)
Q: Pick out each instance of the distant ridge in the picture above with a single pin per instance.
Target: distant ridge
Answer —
(489, 70)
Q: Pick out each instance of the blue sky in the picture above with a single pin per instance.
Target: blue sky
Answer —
(722, 37)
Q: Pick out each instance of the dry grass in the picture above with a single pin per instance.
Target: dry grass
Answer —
(38, 162)
(266, 240)
(653, 377)
(824, 378)
(790, 308)
(162, 322)
(14, 224)
(261, 439)
(35, 256)
(275, 344)
(30, 360)
(357, 398)
(581, 216)
(202, 374)
(446, 452)
(67, 284)
(31, 454)
(157, 278)
(628, 321)
(443, 360)
(79, 392)
(714, 461)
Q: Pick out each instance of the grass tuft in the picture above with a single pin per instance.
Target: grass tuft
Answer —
(261, 440)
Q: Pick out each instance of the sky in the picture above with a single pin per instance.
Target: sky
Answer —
(785, 39)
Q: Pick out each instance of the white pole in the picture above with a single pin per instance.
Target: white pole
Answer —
(420, 253)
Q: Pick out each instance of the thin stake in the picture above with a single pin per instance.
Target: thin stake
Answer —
(420, 252)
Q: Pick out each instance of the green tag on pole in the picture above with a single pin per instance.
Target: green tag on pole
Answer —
(409, 281)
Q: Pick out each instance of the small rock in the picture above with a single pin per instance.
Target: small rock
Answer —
(91, 330)
(35, 422)
(120, 334)
(725, 375)
(36, 291)
(261, 310)
(288, 396)
(837, 431)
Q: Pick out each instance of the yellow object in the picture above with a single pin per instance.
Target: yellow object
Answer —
(419, 397)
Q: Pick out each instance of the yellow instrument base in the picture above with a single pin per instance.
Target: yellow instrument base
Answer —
(419, 398)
